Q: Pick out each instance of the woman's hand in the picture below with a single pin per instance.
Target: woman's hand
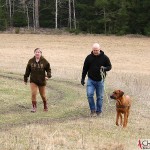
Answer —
(46, 78)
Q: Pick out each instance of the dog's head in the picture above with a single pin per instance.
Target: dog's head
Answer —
(117, 94)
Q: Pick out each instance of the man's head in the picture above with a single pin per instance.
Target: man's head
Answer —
(96, 49)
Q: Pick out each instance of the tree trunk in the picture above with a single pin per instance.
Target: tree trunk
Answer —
(34, 15)
(56, 14)
(10, 13)
(69, 2)
(13, 7)
(74, 14)
(105, 20)
(7, 4)
(28, 20)
(37, 13)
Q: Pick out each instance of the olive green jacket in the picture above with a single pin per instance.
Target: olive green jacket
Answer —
(37, 71)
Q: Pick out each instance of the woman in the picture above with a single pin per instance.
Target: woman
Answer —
(36, 68)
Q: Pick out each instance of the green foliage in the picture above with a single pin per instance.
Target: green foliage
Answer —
(75, 31)
(98, 16)
(3, 21)
(47, 16)
(101, 3)
(3, 24)
(19, 19)
(147, 30)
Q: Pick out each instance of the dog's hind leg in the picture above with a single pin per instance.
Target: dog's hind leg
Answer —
(127, 116)
(128, 113)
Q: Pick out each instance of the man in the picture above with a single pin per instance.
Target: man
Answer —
(93, 63)
(36, 68)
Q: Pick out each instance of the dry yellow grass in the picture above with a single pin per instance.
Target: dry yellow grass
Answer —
(66, 53)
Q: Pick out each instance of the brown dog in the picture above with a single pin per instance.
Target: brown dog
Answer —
(123, 105)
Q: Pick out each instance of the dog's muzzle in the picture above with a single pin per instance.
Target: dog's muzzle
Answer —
(112, 97)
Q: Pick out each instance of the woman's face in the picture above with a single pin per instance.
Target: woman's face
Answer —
(37, 54)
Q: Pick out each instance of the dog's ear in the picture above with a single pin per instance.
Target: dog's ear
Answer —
(121, 93)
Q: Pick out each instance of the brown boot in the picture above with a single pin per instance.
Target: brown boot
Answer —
(45, 106)
(33, 106)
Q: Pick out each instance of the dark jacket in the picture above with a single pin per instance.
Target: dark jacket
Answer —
(92, 65)
(36, 70)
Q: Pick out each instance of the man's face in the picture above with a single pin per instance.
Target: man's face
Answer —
(96, 51)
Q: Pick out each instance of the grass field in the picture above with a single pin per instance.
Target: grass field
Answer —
(67, 124)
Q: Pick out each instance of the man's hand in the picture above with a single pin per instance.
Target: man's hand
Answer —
(82, 82)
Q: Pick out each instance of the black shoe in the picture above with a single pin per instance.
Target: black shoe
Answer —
(98, 113)
(93, 113)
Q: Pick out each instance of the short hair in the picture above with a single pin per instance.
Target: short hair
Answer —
(37, 49)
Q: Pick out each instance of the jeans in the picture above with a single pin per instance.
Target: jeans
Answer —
(99, 87)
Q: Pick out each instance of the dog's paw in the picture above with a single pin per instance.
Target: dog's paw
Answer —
(117, 124)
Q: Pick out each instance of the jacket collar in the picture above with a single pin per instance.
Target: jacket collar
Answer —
(39, 59)
(101, 53)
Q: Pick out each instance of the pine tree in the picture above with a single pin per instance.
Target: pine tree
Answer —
(3, 18)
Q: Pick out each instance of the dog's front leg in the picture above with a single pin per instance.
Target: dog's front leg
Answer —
(117, 118)
(120, 119)
(125, 120)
